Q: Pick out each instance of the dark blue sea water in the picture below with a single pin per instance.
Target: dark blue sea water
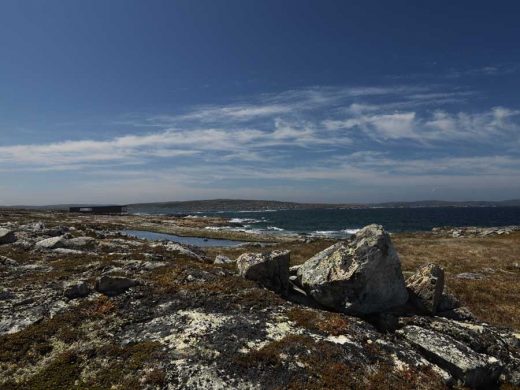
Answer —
(344, 221)
(393, 219)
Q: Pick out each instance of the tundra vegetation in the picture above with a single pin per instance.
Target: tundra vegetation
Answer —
(84, 307)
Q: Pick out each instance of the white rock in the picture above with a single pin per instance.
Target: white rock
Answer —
(221, 259)
(361, 277)
(51, 243)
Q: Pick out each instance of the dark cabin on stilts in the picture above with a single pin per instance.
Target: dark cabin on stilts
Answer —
(99, 209)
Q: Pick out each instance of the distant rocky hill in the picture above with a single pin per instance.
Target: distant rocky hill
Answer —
(444, 203)
(250, 205)
(227, 205)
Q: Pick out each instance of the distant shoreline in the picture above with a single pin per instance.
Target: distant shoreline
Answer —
(247, 205)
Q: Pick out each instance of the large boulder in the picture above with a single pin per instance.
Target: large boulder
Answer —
(425, 287)
(6, 236)
(269, 269)
(114, 285)
(361, 277)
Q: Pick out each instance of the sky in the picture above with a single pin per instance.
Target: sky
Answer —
(128, 101)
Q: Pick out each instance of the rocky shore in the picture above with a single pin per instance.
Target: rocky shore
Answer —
(475, 231)
(82, 306)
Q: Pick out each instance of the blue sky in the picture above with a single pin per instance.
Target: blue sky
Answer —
(330, 101)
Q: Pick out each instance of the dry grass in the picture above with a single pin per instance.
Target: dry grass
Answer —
(321, 321)
(210, 287)
(495, 297)
(300, 252)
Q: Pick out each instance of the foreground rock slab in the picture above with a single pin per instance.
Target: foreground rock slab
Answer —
(471, 368)
(271, 269)
(361, 277)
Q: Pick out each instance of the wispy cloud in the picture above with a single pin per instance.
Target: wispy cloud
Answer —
(297, 101)
(495, 125)
(488, 71)
(314, 119)
(363, 136)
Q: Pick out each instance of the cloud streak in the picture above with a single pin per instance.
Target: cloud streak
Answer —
(362, 136)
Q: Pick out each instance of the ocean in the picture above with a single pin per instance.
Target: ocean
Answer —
(339, 222)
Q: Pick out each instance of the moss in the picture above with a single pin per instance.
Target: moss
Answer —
(35, 341)
(326, 366)
(28, 345)
(61, 373)
(384, 376)
(323, 365)
(270, 354)
(62, 267)
(121, 368)
(155, 377)
(124, 364)
(321, 321)
(20, 255)
(192, 284)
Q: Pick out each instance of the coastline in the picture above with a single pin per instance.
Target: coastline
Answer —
(229, 228)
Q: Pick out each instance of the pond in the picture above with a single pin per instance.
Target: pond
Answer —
(196, 241)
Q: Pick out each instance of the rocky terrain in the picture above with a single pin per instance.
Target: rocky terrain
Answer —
(475, 231)
(82, 306)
